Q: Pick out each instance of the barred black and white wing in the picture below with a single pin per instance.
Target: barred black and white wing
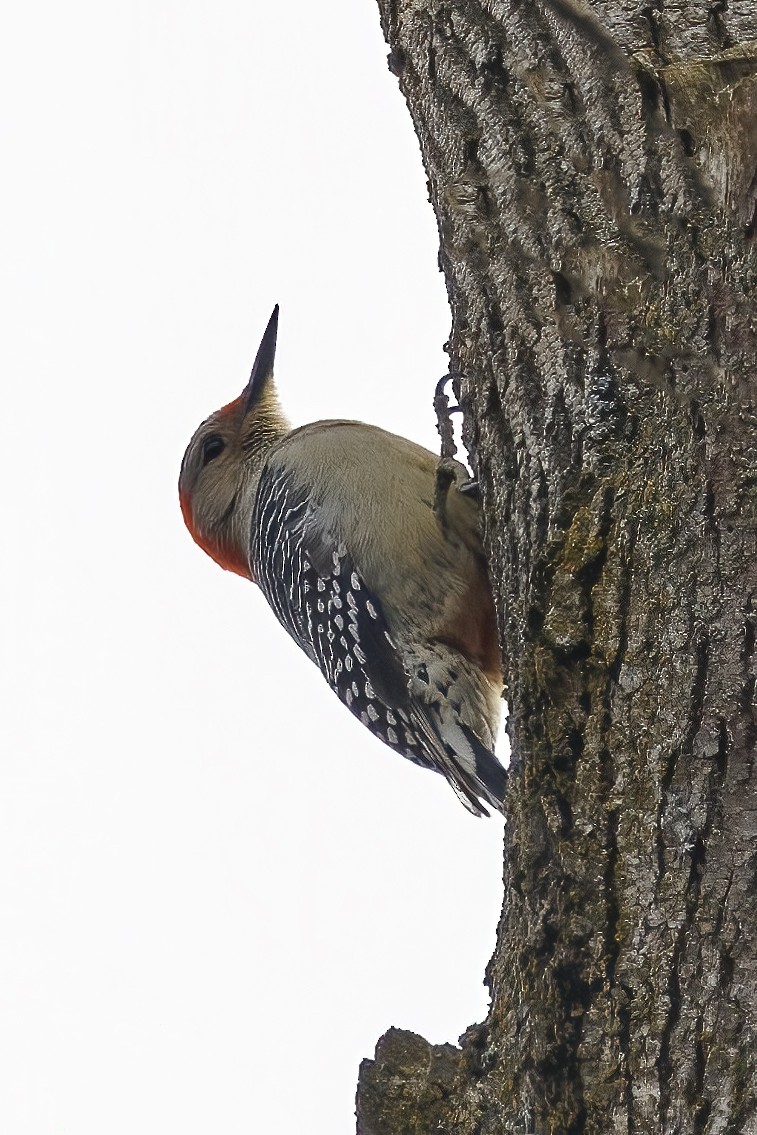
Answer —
(309, 579)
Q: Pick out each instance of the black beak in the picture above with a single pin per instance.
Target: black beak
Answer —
(262, 368)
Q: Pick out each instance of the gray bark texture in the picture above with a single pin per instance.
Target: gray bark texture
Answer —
(593, 169)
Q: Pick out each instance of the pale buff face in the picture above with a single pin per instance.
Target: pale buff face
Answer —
(221, 469)
(222, 464)
(210, 483)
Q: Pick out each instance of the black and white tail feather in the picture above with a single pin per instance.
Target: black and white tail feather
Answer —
(311, 583)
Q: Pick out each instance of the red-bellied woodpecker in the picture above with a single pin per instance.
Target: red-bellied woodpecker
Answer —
(335, 522)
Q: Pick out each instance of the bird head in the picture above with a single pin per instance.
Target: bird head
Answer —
(222, 465)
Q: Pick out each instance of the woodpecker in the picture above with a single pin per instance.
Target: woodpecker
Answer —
(386, 594)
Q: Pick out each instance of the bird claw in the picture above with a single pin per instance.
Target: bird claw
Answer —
(471, 488)
(441, 398)
(444, 381)
(443, 413)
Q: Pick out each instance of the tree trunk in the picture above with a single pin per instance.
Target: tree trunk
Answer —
(594, 174)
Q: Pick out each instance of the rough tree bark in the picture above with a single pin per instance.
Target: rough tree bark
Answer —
(593, 168)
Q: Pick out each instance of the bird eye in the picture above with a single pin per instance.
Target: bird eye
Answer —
(212, 447)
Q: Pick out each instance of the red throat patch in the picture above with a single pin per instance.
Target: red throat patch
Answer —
(225, 556)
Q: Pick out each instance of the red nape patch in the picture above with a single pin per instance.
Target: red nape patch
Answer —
(231, 409)
(226, 557)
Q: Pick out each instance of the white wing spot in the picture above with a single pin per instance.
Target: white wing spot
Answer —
(393, 738)
(371, 609)
(355, 581)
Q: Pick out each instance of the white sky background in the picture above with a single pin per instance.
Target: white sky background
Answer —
(216, 890)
